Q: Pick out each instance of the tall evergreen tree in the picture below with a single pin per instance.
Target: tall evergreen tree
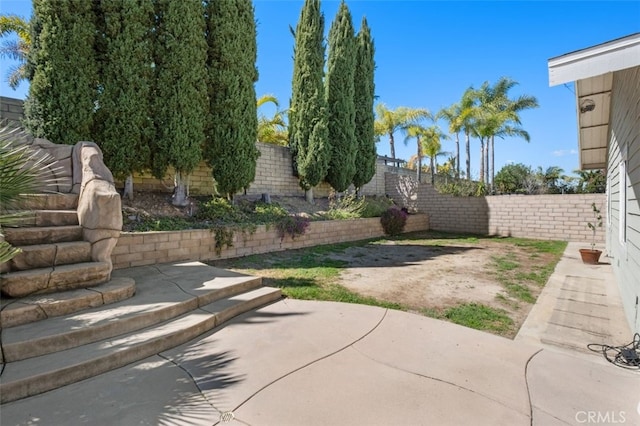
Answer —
(180, 106)
(124, 125)
(341, 66)
(308, 112)
(63, 72)
(364, 92)
(230, 147)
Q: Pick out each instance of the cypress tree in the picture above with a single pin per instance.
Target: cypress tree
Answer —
(63, 71)
(307, 113)
(180, 103)
(232, 130)
(123, 121)
(364, 90)
(340, 100)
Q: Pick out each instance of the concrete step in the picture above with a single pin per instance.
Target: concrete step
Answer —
(52, 279)
(54, 218)
(33, 376)
(155, 301)
(26, 310)
(49, 202)
(42, 235)
(47, 255)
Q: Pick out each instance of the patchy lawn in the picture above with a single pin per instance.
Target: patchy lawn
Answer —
(481, 282)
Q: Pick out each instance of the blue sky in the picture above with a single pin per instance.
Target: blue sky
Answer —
(429, 52)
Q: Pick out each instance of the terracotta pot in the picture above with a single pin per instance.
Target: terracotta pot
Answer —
(590, 257)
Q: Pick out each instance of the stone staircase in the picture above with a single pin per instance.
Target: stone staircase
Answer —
(69, 318)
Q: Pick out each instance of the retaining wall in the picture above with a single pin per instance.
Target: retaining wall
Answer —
(148, 248)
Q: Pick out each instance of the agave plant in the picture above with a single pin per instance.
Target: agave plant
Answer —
(22, 171)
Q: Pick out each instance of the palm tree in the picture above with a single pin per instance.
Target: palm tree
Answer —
(432, 147)
(500, 116)
(416, 131)
(550, 177)
(390, 121)
(15, 49)
(274, 129)
(453, 116)
(467, 120)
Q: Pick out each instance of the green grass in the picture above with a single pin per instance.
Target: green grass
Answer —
(533, 265)
(506, 263)
(480, 317)
(520, 292)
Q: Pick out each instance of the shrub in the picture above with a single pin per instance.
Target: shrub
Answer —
(461, 188)
(393, 221)
(351, 206)
(220, 210)
(292, 226)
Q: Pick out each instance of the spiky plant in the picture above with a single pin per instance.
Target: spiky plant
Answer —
(23, 170)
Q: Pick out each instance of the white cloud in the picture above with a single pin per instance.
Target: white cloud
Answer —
(564, 152)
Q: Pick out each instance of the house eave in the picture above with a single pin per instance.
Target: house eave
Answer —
(592, 71)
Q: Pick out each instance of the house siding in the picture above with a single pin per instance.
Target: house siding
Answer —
(624, 145)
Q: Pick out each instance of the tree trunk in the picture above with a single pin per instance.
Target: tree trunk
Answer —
(391, 145)
(468, 149)
(308, 195)
(419, 172)
(481, 179)
(433, 171)
(128, 187)
(492, 164)
(486, 164)
(180, 195)
(457, 155)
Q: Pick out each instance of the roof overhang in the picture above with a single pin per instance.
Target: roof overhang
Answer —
(592, 70)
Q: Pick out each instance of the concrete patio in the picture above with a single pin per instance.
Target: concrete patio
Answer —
(315, 363)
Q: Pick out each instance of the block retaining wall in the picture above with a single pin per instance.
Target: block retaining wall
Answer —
(552, 216)
(148, 248)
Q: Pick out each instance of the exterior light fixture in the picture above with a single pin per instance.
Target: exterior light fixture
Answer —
(587, 105)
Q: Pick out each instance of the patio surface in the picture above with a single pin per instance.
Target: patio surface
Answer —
(316, 363)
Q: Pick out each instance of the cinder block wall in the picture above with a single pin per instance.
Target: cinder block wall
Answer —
(273, 176)
(11, 111)
(273, 169)
(148, 248)
(558, 217)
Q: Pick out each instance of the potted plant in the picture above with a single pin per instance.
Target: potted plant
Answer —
(592, 256)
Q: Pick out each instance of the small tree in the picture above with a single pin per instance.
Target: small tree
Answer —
(180, 107)
(308, 131)
(595, 224)
(340, 101)
(124, 125)
(364, 94)
(62, 64)
(230, 147)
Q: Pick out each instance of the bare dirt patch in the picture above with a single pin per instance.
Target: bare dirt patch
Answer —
(438, 274)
